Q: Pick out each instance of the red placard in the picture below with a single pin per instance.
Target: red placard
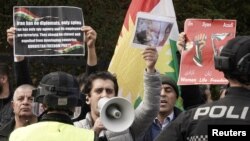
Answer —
(205, 38)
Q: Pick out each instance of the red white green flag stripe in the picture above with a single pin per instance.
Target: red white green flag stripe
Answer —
(127, 62)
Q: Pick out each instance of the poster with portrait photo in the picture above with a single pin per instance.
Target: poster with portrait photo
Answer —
(151, 30)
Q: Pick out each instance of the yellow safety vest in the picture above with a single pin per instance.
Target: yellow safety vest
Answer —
(51, 131)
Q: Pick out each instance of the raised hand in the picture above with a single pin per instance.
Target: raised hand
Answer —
(90, 36)
(10, 35)
(181, 42)
(150, 55)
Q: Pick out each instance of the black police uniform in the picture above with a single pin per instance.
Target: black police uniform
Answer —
(192, 125)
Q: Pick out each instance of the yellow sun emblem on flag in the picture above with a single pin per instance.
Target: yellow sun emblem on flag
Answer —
(128, 65)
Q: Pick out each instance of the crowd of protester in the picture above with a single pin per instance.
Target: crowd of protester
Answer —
(156, 118)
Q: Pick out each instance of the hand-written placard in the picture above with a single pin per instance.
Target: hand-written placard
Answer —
(40, 32)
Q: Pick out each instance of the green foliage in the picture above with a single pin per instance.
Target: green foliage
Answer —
(214, 9)
(106, 17)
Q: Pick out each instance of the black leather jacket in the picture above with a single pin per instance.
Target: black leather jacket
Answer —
(21, 77)
(6, 111)
(6, 130)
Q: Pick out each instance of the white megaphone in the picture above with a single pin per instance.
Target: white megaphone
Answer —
(117, 114)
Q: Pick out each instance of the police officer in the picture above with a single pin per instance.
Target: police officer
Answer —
(206, 121)
(59, 94)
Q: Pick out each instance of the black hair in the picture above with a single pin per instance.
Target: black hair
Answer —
(4, 69)
(105, 75)
(82, 79)
(142, 36)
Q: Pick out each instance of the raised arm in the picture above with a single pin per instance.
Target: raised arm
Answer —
(90, 39)
(148, 110)
(21, 70)
(190, 94)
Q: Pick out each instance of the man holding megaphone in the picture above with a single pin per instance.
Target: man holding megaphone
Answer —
(104, 85)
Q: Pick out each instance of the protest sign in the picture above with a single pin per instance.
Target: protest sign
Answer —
(48, 31)
(151, 30)
(205, 39)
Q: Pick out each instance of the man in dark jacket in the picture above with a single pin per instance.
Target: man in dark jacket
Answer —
(22, 108)
(6, 92)
(59, 94)
(168, 112)
(10, 121)
(21, 77)
(5, 95)
(230, 112)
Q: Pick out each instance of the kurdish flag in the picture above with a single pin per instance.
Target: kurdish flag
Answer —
(127, 62)
(25, 14)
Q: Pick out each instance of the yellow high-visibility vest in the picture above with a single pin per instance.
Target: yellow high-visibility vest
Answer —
(51, 131)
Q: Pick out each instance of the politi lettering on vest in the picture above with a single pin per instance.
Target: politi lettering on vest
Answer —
(220, 111)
